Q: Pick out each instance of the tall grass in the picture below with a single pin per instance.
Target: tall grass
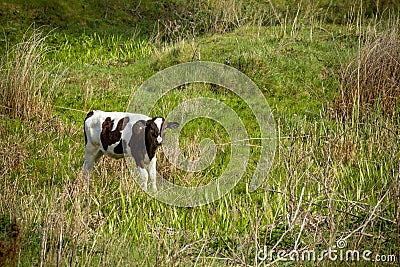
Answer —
(209, 17)
(371, 81)
(26, 86)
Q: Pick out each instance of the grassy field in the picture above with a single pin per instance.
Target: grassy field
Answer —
(336, 172)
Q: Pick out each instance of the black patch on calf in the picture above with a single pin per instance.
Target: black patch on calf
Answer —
(90, 114)
(137, 142)
(143, 139)
(118, 149)
(151, 134)
(108, 136)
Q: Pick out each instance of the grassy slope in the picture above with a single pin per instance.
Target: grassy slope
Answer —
(71, 16)
(345, 168)
(293, 72)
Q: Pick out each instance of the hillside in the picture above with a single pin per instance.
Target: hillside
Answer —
(148, 17)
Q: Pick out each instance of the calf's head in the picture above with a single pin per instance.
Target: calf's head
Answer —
(156, 129)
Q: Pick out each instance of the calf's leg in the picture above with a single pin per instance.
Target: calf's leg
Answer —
(143, 177)
(92, 155)
(153, 173)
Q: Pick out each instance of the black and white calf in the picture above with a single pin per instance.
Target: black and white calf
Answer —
(123, 134)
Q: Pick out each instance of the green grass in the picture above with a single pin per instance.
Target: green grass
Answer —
(330, 178)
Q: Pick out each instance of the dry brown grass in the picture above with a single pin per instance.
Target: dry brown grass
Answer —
(209, 17)
(25, 78)
(371, 82)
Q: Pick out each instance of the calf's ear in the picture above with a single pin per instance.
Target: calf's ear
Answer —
(172, 125)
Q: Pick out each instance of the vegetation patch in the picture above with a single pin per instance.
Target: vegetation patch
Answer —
(26, 86)
(371, 82)
(332, 179)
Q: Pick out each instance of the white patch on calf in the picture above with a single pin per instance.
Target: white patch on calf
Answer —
(158, 122)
